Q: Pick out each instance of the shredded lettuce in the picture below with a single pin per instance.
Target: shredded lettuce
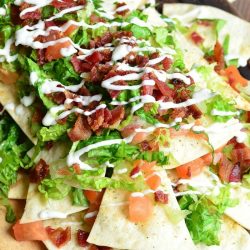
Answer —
(78, 198)
(220, 104)
(13, 151)
(204, 221)
(147, 116)
(246, 180)
(140, 32)
(163, 37)
(54, 188)
(52, 133)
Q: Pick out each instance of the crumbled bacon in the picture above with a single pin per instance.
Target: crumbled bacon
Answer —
(49, 145)
(37, 116)
(41, 56)
(195, 111)
(59, 237)
(219, 57)
(64, 4)
(94, 58)
(80, 66)
(179, 112)
(115, 93)
(235, 175)
(101, 41)
(167, 62)
(80, 130)
(33, 15)
(39, 172)
(141, 61)
(96, 19)
(135, 171)
(82, 238)
(161, 197)
(117, 115)
(120, 34)
(123, 12)
(197, 39)
(163, 87)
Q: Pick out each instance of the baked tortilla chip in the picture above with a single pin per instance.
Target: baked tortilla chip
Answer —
(38, 208)
(112, 227)
(20, 189)
(232, 237)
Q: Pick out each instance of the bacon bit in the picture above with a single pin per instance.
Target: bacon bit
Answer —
(167, 62)
(98, 72)
(82, 238)
(15, 15)
(161, 197)
(53, 35)
(165, 90)
(93, 247)
(124, 12)
(135, 172)
(219, 57)
(179, 112)
(120, 34)
(37, 116)
(141, 61)
(40, 171)
(96, 19)
(197, 39)
(235, 175)
(80, 130)
(49, 145)
(33, 15)
(77, 168)
(80, 66)
(41, 56)
(101, 41)
(64, 4)
(94, 58)
(59, 237)
(225, 168)
(117, 115)
(195, 111)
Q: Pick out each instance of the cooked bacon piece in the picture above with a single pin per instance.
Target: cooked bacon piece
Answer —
(39, 172)
(53, 35)
(94, 58)
(197, 39)
(15, 15)
(167, 62)
(141, 61)
(101, 41)
(49, 145)
(80, 66)
(241, 154)
(59, 236)
(37, 116)
(64, 4)
(161, 197)
(180, 112)
(225, 168)
(236, 173)
(33, 15)
(219, 57)
(82, 238)
(122, 12)
(41, 57)
(154, 55)
(96, 19)
(195, 111)
(117, 115)
(96, 120)
(164, 89)
(120, 34)
(115, 93)
(80, 130)
(135, 171)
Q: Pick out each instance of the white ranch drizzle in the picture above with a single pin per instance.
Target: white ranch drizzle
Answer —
(49, 214)
(74, 157)
(5, 52)
(90, 214)
(28, 100)
(2, 11)
(223, 113)
(122, 8)
(37, 5)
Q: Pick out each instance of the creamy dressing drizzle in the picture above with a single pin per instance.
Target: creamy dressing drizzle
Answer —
(5, 53)
(49, 214)
(90, 215)
(2, 11)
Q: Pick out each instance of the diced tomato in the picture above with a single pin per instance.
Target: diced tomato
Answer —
(219, 57)
(234, 77)
(136, 170)
(82, 238)
(59, 236)
(70, 30)
(94, 197)
(167, 62)
(161, 197)
(197, 39)
(190, 169)
(207, 159)
(140, 208)
(225, 168)
(77, 168)
(153, 181)
(30, 231)
(54, 52)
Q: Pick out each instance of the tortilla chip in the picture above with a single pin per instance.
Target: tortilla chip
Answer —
(36, 203)
(20, 189)
(75, 222)
(112, 227)
(179, 146)
(232, 237)
(8, 95)
(7, 241)
(238, 29)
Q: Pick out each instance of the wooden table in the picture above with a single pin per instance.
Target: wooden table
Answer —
(243, 8)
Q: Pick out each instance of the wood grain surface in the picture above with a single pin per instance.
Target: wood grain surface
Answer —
(243, 8)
